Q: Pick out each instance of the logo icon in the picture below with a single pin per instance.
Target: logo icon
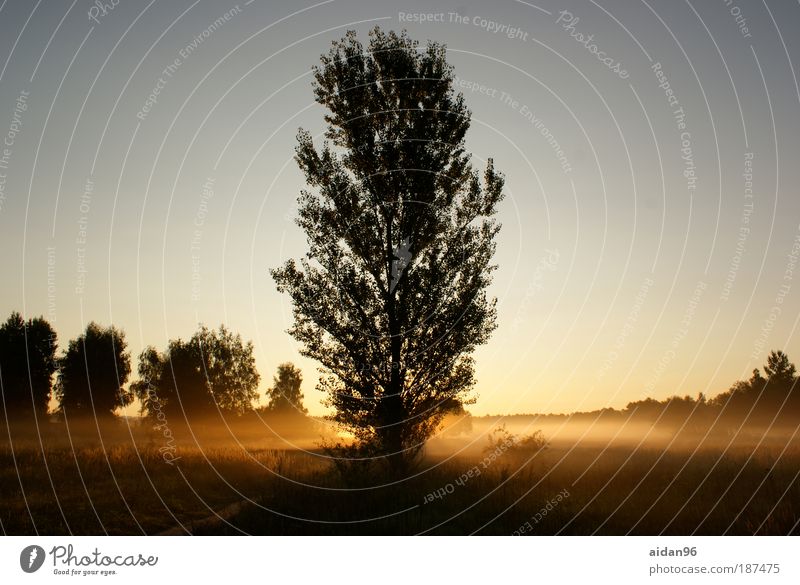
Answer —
(31, 558)
(402, 256)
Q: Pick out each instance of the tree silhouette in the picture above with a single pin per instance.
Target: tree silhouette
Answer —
(780, 398)
(391, 297)
(761, 400)
(284, 396)
(212, 372)
(27, 364)
(778, 368)
(93, 372)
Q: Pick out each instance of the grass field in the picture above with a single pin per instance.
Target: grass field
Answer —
(116, 481)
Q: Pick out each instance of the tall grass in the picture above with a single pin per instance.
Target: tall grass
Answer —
(116, 481)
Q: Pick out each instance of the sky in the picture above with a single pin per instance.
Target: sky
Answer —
(651, 224)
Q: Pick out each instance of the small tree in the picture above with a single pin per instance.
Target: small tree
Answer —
(27, 364)
(285, 396)
(93, 372)
(391, 297)
(212, 372)
(779, 369)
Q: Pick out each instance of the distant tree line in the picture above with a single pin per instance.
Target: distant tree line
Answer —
(768, 401)
(212, 373)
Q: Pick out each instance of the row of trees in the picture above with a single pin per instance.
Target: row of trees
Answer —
(390, 299)
(771, 399)
(768, 401)
(212, 372)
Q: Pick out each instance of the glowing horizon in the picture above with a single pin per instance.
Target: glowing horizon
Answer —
(651, 232)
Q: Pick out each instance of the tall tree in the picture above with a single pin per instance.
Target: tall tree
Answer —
(285, 396)
(27, 364)
(212, 372)
(391, 296)
(94, 370)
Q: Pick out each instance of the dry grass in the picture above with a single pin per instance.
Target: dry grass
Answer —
(50, 486)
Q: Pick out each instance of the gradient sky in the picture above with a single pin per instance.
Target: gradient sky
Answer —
(619, 276)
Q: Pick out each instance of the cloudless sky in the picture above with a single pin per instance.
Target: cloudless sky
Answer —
(650, 239)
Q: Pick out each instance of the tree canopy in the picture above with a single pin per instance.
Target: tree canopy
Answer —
(391, 296)
(284, 395)
(763, 402)
(27, 364)
(93, 372)
(213, 372)
(778, 368)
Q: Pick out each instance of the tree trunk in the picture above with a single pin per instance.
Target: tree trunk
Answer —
(394, 417)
